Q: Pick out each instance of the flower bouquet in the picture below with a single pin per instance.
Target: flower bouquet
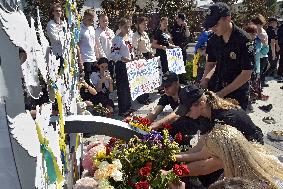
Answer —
(139, 122)
(138, 163)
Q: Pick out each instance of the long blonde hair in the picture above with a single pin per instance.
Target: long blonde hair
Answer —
(217, 102)
(242, 158)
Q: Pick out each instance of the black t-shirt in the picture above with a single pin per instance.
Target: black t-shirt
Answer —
(162, 38)
(231, 57)
(280, 35)
(272, 34)
(168, 100)
(236, 118)
(179, 35)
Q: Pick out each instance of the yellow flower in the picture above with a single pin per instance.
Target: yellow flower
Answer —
(101, 154)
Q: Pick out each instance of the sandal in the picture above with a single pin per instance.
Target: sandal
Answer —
(263, 97)
(269, 120)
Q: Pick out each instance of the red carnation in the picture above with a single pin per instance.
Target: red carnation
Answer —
(167, 126)
(179, 137)
(142, 185)
(185, 169)
(145, 171)
(177, 169)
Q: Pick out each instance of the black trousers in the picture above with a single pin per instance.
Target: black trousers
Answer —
(264, 65)
(241, 94)
(280, 68)
(273, 65)
(88, 69)
(163, 60)
(123, 88)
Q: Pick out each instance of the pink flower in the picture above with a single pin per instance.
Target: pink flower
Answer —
(92, 150)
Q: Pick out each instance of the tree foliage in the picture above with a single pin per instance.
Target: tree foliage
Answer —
(44, 5)
(249, 8)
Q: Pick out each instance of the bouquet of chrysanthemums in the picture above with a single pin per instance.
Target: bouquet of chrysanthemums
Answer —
(139, 122)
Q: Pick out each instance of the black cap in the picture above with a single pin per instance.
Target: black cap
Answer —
(102, 61)
(187, 97)
(168, 78)
(271, 19)
(182, 16)
(214, 13)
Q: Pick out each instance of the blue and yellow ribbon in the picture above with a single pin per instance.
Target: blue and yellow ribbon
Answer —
(195, 64)
(53, 172)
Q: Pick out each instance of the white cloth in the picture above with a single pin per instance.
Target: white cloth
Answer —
(55, 34)
(141, 43)
(87, 43)
(95, 78)
(121, 48)
(103, 40)
(263, 36)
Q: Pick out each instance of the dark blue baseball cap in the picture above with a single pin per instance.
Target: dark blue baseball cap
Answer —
(187, 97)
(168, 78)
(214, 13)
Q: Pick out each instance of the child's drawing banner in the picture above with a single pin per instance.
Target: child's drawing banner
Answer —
(143, 75)
(175, 60)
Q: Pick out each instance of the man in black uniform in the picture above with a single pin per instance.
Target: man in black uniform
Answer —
(180, 36)
(194, 103)
(185, 125)
(272, 41)
(280, 43)
(230, 58)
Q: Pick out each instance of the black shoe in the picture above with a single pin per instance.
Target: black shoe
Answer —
(266, 108)
(144, 102)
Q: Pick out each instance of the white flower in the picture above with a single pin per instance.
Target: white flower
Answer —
(104, 184)
(103, 165)
(117, 176)
(117, 163)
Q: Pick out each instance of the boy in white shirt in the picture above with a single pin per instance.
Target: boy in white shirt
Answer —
(88, 49)
(103, 38)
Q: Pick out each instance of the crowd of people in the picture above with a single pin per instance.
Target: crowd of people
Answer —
(237, 64)
(115, 49)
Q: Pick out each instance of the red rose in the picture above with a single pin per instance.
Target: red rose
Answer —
(177, 170)
(145, 171)
(112, 140)
(179, 137)
(185, 169)
(142, 185)
(167, 126)
(108, 150)
(148, 164)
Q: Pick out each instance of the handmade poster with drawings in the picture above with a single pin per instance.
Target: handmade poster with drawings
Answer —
(175, 60)
(143, 75)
